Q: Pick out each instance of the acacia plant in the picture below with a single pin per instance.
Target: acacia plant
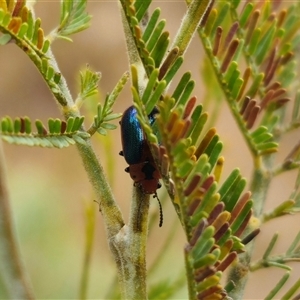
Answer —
(251, 50)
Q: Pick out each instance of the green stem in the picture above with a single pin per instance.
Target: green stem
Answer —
(130, 243)
(132, 48)
(138, 235)
(108, 206)
(231, 102)
(189, 24)
(111, 213)
(14, 276)
(190, 275)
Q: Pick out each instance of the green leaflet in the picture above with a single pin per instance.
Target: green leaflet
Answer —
(59, 134)
(141, 8)
(73, 18)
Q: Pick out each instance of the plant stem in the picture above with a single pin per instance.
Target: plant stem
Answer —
(111, 213)
(130, 244)
(138, 236)
(108, 207)
(189, 273)
(231, 103)
(189, 24)
(15, 279)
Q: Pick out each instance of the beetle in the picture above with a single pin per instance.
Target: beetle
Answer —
(136, 151)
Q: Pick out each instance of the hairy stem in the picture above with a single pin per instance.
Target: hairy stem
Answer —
(138, 236)
(111, 213)
(126, 243)
(108, 206)
(189, 24)
(130, 244)
(15, 280)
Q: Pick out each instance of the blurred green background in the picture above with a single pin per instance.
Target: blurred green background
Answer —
(49, 188)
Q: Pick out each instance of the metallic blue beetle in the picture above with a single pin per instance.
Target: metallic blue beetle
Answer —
(136, 151)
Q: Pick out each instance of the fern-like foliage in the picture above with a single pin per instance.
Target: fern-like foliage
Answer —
(213, 218)
(18, 23)
(152, 42)
(104, 116)
(190, 163)
(59, 134)
(266, 39)
(88, 85)
(279, 261)
(73, 18)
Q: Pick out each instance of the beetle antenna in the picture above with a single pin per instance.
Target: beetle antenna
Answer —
(161, 217)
